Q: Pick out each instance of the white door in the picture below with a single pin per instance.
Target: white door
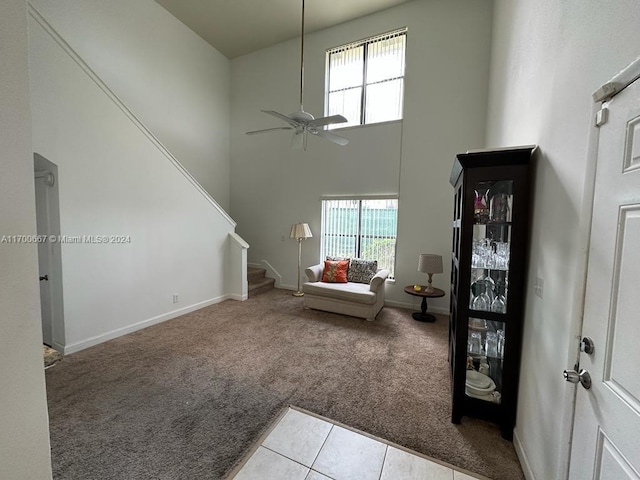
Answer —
(606, 437)
(44, 254)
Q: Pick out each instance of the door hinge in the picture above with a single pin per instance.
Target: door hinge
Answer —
(602, 116)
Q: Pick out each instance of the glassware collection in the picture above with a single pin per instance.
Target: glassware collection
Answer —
(491, 249)
(487, 294)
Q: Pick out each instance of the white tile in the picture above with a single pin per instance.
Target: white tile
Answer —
(265, 464)
(400, 464)
(463, 476)
(348, 455)
(298, 436)
(313, 475)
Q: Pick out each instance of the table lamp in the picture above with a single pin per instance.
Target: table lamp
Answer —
(429, 263)
(300, 231)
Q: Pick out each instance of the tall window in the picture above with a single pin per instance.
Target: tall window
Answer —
(361, 228)
(365, 79)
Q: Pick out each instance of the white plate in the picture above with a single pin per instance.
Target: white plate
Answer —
(478, 380)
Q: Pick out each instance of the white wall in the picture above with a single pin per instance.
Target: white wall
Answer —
(445, 109)
(548, 58)
(176, 83)
(24, 433)
(114, 181)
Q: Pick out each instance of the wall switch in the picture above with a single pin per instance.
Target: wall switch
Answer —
(538, 287)
(176, 298)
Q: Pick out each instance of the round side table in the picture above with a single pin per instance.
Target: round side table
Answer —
(423, 316)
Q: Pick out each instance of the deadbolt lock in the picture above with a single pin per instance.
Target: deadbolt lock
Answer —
(587, 346)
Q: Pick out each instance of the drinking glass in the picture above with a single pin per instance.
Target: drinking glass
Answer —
(500, 334)
(481, 302)
(491, 345)
(475, 343)
(499, 304)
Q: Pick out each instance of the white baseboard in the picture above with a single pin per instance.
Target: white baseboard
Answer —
(57, 346)
(90, 342)
(240, 298)
(522, 456)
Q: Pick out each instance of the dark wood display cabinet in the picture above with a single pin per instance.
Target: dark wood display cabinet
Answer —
(488, 269)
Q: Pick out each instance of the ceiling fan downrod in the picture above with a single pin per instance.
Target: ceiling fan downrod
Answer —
(302, 62)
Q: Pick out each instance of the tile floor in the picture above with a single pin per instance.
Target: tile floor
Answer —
(302, 446)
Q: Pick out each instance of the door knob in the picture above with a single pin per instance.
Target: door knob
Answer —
(45, 278)
(582, 376)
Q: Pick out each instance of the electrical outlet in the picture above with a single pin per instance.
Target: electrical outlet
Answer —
(176, 298)
(538, 287)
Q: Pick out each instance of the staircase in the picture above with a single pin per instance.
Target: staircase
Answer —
(258, 283)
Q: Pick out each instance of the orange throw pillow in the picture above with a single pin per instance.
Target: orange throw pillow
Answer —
(335, 271)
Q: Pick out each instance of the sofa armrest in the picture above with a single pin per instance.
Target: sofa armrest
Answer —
(378, 280)
(314, 272)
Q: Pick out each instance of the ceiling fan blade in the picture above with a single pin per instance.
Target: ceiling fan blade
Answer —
(290, 121)
(269, 130)
(319, 122)
(332, 137)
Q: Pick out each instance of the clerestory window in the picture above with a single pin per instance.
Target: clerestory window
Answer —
(365, 79)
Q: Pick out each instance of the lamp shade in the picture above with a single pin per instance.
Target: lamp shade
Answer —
(300, 230)
(430, 263)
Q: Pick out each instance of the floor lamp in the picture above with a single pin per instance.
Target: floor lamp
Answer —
(300, 231)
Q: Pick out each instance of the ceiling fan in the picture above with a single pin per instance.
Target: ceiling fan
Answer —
(301, 122)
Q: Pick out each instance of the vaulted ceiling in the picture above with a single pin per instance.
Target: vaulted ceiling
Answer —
(238, 27)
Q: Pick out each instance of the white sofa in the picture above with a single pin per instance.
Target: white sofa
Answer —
(355, 299)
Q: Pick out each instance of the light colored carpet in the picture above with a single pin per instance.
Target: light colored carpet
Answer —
(187, 398)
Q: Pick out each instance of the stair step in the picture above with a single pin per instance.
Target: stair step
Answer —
(258, 281)
(255, 274)
(261, 286)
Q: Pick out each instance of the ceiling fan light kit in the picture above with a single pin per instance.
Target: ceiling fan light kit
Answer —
(301, 122)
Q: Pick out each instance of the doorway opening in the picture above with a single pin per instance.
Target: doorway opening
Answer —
(49, 252)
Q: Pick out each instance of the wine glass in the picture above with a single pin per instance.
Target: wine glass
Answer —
(481, 302)
(499, 304)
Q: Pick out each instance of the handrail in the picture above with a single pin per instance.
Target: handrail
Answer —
(33, 12)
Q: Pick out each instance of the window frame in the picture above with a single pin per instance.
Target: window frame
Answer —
(358, 241)
(365, 43)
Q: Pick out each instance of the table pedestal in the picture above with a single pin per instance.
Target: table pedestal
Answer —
(423, 316)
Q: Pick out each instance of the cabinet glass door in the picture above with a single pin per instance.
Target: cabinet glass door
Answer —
(489, 288)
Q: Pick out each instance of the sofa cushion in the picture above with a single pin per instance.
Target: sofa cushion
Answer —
(353, 292)
(335, 271)
(362, 271)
